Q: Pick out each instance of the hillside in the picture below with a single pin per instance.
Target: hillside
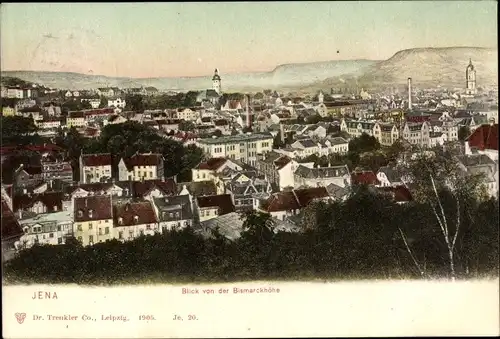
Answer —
(426, 66)
(282, 76)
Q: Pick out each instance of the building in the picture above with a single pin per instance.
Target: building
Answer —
(45, 202)
(95, 168)
(355, 128)
(212, 206)
(216, 82)
(481, 164)
(146, 166)
(364, 177)
(389, 176)
(288, 203)
(417, 133)
(47, 229)
(246, 192)
(134, 219)
(174, 212)
(470, 79)
(93, 219)
(76, 119)
(386, 134)
(279, 169)
(244, 147)
(53, 169)
(117, 102)
(209, 169)
(322, 176)
(26, 176)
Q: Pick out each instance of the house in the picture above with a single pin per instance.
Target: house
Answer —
(386, 134)
(108, 92)
(47, 229)
(148, 189)
(307, 147)
(46, 202)
(228, 225)
(76, 119)
(485, 140)
(364, 177)
(355, 128)
(141, 166)
(11, 232)
(54, 169)
(94, 102)
(481, 164)
(337, 145)
(93, 219)
(417, 133)
(208, 169)
(279, 169)
(389, 176)
(199, 188)
(134, 219)
(322, 176)
(244, 147)
(437, 139)
(174, 212)
(8, 111)
(338, 193)
(49, 123)
(114, 120)
(187, 114)
(288, 203)
(247, 193)
(151, 91)
(26, 176)
(95, 167)
(117, 103)
(212, 206)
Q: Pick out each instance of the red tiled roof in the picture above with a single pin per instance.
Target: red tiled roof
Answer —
(52, 200)
(127, 212)
(233, 104)
(102, 111)
(10, 225)
(96, 207)
(222, 201)
(97, 159)
(153, 159)
(484, 137)
(364, 178)
(212, 164)
(76, 114)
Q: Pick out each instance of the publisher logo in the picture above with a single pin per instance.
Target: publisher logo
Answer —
(20, 317)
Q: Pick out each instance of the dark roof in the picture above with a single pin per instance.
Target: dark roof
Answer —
(199, 188)
(308, 143)
(399, 193)
(392, 174)
(222, 201)
(76, 114)
(322, 172)
(212, 164)
(475, 160)
(97, 159)
(97, 207)
(134, 213)
(52, 200)
(484, 137)
(293, 200)
(139, 189)
(173, 208)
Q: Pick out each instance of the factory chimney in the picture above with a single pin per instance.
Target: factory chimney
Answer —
(247, 99)
(282, 133)
(409, 94)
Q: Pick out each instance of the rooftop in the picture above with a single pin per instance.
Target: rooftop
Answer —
(236, 138)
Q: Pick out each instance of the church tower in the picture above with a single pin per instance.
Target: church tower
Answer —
(321, 97)
(470, 76)
(216, 85)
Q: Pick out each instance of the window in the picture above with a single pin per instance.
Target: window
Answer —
(100, 231)
(59, 241)
(106, 221)
(91, 239)
(106, 230)
(51, 235)
(59, 228)
(79, 227)
(150, 174)
(148, 227)
(80, 239)
(90, 225)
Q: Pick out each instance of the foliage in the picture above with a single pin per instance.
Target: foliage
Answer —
(75, 105)
(134, 102)
(17, 130)
(358, 238)
(103, 103)
(364, 143)
(187, 126)
(463, 133)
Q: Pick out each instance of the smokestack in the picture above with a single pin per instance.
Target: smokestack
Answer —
(247, 111)
(409, 94)
(282, 133)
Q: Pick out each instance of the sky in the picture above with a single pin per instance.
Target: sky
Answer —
(192, 39)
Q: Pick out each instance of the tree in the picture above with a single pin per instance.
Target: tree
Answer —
(187, 126)
(134, 102)
(104, 102)
(85, 105)
(439, 183)
(259, 96)
(17, 130)
(363, 143)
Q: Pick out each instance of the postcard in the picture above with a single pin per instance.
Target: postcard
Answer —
(249, 169)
